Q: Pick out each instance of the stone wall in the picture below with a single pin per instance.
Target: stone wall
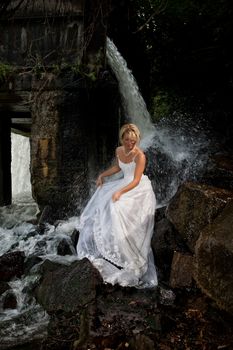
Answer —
(56, 50)
(58, 154)
(74, 133)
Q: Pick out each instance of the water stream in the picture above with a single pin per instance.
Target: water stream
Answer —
(176, 151)
(176, 146)
(20, 169)
(133, 104)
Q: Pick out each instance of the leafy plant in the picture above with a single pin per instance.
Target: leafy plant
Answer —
(5, 71)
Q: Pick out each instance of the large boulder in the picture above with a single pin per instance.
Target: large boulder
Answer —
(181, 270)
(83, 311)
(219, 171)
(11, 265)
(193, 207)
(165, 241)
(214, 259)
(67, 288)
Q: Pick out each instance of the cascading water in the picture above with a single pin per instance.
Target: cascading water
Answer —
(176, 147)
(28, 319)
(174, 150)
(132, 101)
(23, 207)
(20, 164)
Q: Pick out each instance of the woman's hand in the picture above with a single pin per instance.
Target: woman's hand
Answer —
(116, 196)
(99, 181)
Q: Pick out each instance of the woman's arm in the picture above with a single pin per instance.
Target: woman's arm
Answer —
(112, 170)
(140, 166)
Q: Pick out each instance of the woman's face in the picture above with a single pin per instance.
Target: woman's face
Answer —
(129, 140)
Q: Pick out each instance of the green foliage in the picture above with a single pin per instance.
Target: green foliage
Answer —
(5, 71)
(187, 44)
(166, 102)
(79, 69)
(37, 65)
(84, 71)
(161, 106)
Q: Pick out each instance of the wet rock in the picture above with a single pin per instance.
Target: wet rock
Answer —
(166, 296)
(138, 309)
(181, 270)
(67, 288)
(193, 207)
(31, 261)
(214, 259)
(3, 287)
(44, 216)
(19, 333)
(9, 301)
(13, 246)
(75, 237)
(165, 241)
(68, 294)
(40, 247)
(219, 172)
(160, 214)
(141, 342)
(31, 234)
(65, 248)
(11, 265)
(110, 319)
(41, 228)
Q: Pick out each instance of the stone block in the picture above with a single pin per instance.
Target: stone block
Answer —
(193, 207)
(214, 259)
(181, 270)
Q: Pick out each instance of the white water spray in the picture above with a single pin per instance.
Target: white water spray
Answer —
(176, 146)
(132, 101)
(21, 181)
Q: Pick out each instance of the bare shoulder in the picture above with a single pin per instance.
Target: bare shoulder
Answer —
(140, 156)
(118, 150)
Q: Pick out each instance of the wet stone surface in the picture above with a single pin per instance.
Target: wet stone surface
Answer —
(127, 318)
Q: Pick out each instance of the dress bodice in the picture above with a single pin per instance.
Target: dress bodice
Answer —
(127, 168)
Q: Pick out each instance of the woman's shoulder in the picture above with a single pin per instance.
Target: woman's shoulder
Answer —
(139, 155)
(139, 152)
(118, 150)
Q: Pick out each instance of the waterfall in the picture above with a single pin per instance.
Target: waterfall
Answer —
(21, 182)
(176, 146)
(23, 207)
(132, 101)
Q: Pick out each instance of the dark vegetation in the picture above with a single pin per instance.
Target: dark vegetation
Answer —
(181, 55)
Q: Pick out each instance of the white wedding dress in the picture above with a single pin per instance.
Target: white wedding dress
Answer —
(116, 236)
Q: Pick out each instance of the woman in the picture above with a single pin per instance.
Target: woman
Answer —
(117, 224)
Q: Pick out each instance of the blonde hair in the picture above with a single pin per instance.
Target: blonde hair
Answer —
(129, 129)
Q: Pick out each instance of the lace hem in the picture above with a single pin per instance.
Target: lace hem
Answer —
(112, 257)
